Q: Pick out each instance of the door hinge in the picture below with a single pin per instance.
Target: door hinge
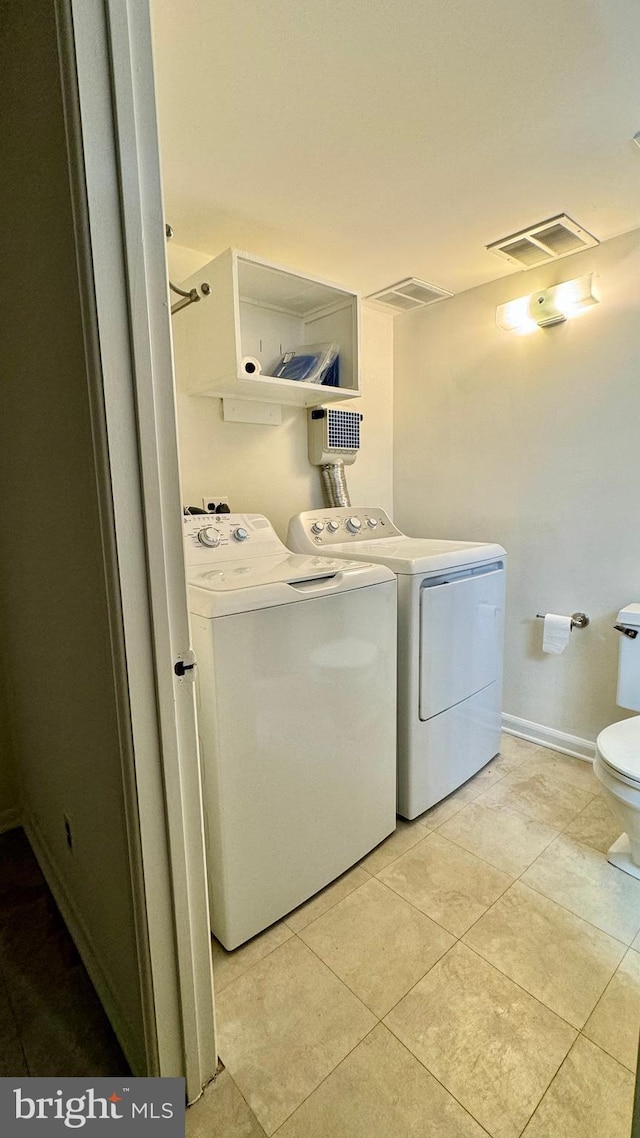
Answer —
(185, 665)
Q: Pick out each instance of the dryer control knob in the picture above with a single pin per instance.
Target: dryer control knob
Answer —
(372, 523)
(240, 534)
(354, 525)
(209, 537)
(317, 527)
(333, 526)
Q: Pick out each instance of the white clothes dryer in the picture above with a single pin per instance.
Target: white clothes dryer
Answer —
(296, 672)
(450, 644)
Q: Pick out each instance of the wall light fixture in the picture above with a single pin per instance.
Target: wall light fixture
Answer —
(546, 307)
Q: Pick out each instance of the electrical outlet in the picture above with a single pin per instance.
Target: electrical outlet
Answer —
(213, 502)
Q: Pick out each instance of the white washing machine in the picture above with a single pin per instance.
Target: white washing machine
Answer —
(296, 674)
(450, 644)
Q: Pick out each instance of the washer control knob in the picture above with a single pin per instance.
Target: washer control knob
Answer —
(209, 537)
(317, 527)
(354, 525)
(372, 522)
(333, 526)
(240, 534)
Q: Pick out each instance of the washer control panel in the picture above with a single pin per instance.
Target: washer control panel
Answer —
(228, 537)
(339, 525)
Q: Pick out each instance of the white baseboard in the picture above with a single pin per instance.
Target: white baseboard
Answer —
(9, 819)
(83, 943)
(549, 737)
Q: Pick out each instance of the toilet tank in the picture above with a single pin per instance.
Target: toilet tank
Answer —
(629, 658)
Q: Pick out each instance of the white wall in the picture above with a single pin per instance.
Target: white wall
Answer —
(532, 441)
(265, 468)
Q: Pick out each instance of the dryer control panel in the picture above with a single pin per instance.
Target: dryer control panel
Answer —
(228, 537)
(340, 524)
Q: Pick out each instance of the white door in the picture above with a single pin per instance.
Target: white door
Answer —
(114, 166)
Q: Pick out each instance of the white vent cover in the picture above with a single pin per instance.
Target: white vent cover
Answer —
(547, 241)
(408, 294)
(333, 434)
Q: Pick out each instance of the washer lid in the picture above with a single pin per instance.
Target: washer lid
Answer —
(248, 573)
(267, 582)
(619, 746)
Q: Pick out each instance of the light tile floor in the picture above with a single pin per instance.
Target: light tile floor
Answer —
(478, 973)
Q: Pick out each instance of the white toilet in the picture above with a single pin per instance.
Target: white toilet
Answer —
(617, 761)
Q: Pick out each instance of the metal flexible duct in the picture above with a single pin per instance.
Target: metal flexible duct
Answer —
(334, 484)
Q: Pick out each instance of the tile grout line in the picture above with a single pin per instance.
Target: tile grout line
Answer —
(217, 987)
(631, 1070)
(292, 932)
(340, 978)
(627, 947)
(579, 815)
(327, 1076)
(598, 1048)
(627, 944)
(321, 891)
(357, 1044)
(380, 1022)
(445, 1088)
(550, 1084)
(247, 1104)
(438, 1081)
(436, 922)
(601, 997)
(552, 899)
(567, 783)
(624, 944)
(460, 939)
(577, 1031)
(499, 867)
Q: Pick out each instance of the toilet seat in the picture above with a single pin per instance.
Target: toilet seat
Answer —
(618, 748)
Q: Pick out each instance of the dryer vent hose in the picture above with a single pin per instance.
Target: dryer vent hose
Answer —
(334, 484)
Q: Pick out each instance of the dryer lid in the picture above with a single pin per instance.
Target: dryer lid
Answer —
(619, 746)
(369, 535)
(413, 555)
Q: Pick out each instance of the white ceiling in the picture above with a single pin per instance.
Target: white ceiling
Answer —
(369, 140)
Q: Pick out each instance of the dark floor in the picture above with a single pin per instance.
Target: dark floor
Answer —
(51, 1021)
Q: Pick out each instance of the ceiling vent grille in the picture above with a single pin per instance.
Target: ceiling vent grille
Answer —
(408, 294)
(547, 241)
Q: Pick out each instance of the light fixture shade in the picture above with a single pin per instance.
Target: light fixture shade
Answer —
(548, 306)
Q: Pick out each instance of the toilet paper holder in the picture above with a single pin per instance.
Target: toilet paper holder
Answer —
(578, 619)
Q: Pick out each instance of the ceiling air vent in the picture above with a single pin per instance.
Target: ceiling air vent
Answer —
(547, 241)
(408, 294)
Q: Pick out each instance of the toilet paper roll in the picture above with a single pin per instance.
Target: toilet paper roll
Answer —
(250, 366)
(557, 630)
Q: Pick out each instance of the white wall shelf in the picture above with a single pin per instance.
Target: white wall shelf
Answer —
(261, 310)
